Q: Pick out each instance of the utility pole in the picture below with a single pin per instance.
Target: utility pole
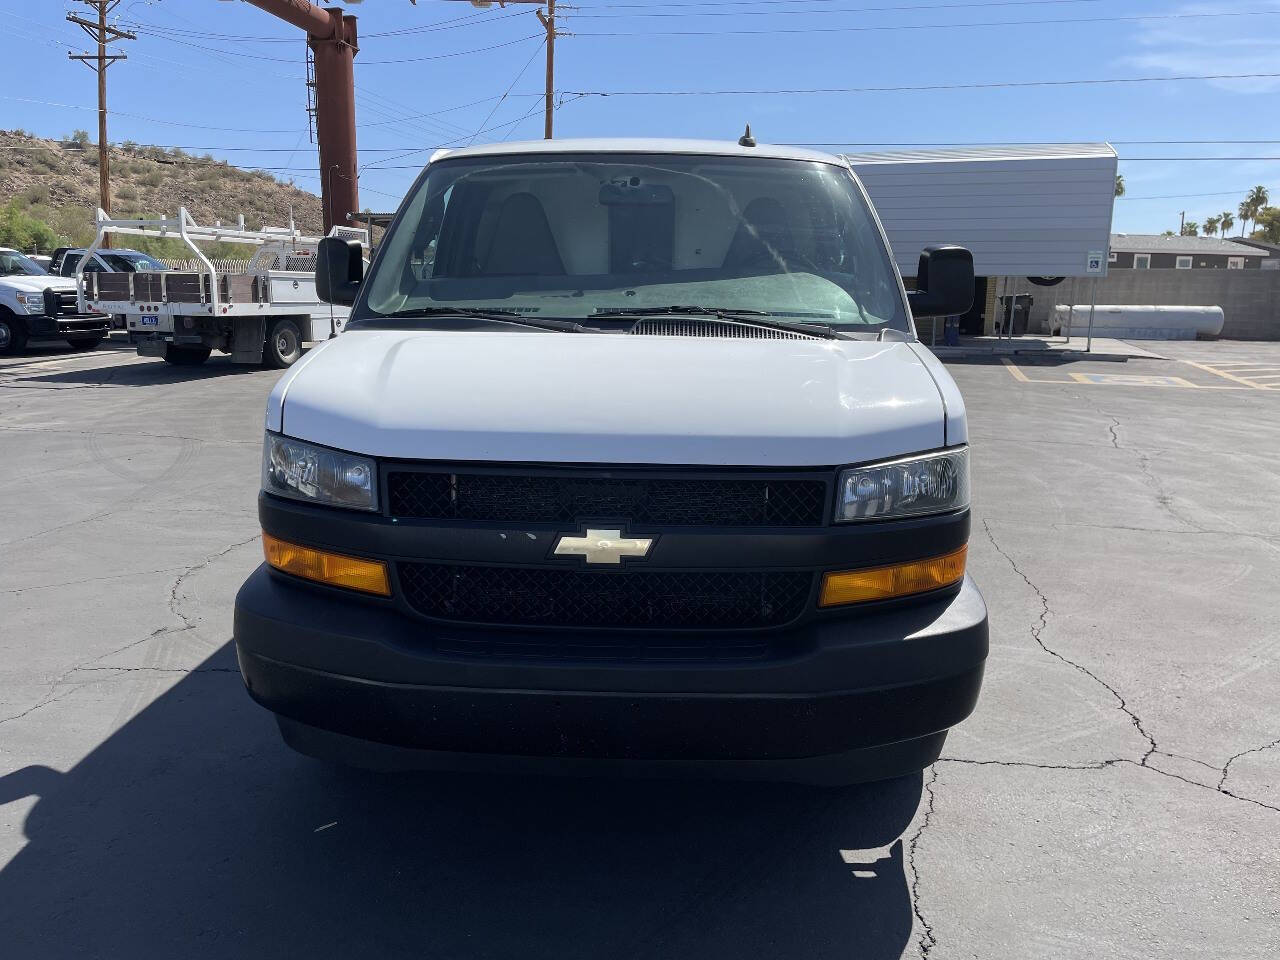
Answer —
(1182, 224)
(549, 22)
(102, 34)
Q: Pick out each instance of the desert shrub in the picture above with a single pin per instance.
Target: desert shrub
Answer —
(20, 230)
(36, 194)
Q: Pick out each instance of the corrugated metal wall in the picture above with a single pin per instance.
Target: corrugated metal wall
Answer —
(1022, 211)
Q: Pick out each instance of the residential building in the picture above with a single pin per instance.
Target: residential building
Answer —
(1144, 251)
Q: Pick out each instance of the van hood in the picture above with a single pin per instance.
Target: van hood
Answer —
(541, 397)
(26, 284)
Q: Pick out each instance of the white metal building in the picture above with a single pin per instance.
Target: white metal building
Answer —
(1040, 210)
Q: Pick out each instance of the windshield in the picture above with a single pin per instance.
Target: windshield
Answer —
(576, 236)
(131, 262)
(14, 264)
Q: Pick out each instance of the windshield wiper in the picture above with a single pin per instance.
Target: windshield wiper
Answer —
(497, 316)
(757, 318)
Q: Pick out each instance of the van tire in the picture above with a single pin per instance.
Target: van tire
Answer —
(284, 344)
(13, 333)
(186, 356)
(85, 343)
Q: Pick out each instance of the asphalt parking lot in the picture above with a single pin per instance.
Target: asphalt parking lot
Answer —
(1116, 794)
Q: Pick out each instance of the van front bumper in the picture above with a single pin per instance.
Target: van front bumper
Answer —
(879, 686)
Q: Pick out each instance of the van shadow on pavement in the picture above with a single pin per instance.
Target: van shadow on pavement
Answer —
(193, 832)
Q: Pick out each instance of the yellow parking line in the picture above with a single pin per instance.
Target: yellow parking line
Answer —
(1017, 374)
(1224, 375)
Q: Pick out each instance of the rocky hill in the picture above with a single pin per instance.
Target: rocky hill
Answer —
(56, 183)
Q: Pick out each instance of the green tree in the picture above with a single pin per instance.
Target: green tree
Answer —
(80, 136)
(1211, 225)
(1268, 225)
(1190, 229)
(1168, 233)
(1255, 202)
(1226, 221)
(1119, 184)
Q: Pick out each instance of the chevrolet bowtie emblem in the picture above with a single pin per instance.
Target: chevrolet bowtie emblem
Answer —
(603, 546)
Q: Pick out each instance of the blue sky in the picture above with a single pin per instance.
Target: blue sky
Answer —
(191, 68)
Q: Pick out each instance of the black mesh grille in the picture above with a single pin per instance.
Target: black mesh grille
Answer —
(587, 598)
(748, 501)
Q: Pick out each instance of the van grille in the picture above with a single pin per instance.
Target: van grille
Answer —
(521, 596)
(727, 501)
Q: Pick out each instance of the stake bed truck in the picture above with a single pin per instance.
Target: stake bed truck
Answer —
(262, 314)
(629, 457)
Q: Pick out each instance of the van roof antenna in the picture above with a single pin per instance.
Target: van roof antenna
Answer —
(747, 140)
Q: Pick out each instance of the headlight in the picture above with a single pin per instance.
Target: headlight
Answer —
(304, 471)
(34, 302)
(910, 487)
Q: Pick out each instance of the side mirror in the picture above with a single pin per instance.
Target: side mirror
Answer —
(944, 282)
(339, 270)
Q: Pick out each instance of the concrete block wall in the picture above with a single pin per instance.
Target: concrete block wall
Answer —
(1250, 299)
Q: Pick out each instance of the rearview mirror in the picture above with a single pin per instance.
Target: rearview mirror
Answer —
(339, 270)
(944, 282)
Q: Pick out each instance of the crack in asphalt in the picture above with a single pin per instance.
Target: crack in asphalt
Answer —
(132, 435)
(1226, 767)
(174, 600)
(182, 670)
(61, 526)
(1152, 748)
(1114, 762)
(72, 583)
(174, 608)
(1037, 631)
(928, 940)
(1163, 497)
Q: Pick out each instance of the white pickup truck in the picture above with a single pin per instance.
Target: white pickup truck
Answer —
(629, 456)
(37, 306)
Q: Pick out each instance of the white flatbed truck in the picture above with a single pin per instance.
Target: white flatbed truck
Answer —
(264, 314)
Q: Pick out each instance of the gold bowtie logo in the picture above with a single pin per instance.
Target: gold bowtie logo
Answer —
(603, 546)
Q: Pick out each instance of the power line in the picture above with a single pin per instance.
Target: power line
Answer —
(760, 3)
(1009, 84)
(1189, 196)
(773, 31)
(459, 53)
(825, 11)
(503, 99)
(1008, 143)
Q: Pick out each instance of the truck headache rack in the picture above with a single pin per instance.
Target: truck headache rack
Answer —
(248, 311)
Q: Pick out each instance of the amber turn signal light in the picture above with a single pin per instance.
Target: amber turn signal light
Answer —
(334, 569)
(898, 580)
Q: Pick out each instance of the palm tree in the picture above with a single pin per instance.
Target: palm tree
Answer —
(1190, 228)
(1211, 226)
(1257, 200)
(1246, 211)
(1119, 184)
(1226, 221)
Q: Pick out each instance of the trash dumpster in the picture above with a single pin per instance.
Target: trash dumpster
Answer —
(1015, 311)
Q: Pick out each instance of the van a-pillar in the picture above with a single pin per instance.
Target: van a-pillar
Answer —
(331, 34)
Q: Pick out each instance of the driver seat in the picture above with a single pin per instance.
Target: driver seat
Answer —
(523, 245)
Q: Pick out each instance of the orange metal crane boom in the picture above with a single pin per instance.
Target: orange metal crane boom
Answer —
(331, 34)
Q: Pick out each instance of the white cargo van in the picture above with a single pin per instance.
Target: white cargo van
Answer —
(629, 456)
